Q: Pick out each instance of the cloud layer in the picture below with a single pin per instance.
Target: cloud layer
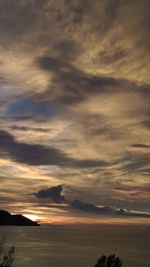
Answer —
(74, 101)
(55, 194)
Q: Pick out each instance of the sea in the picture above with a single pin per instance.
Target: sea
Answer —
(78, 245)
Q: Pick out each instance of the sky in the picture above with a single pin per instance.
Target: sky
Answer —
(75, 109)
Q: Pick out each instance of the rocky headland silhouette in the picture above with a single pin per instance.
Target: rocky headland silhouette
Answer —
(17, 220)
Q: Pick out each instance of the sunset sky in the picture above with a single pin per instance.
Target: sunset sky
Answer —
(75, 109)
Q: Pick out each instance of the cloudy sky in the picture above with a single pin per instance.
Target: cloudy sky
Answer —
(74, 109)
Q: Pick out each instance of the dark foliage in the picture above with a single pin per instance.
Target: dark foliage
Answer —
(110, 261)
(7, 255)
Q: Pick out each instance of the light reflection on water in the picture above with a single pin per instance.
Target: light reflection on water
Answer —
(78, 246)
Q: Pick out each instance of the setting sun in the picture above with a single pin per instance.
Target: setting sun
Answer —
(31, 217)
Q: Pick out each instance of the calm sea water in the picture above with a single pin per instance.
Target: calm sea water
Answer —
(78, 246)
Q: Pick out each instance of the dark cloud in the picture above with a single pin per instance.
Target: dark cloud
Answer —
(134, 162)
(73, 79)
(67, 49)
(34, 154)
(25, 17)
(6, 138)
(146, 124)
(69, 82)
(16, 118)
(145, 171)
(72, 85)
(29, 153)
(77, 204)
(140, 146)
(90, 164)
(53, 193)
(51, 64)
(23, 128)
(110, 57)
(145, 188)
(137, 164)
(108, 132)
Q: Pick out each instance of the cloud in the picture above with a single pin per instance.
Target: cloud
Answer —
(106, 210)
(53, 192)
(25, 128)
(140, 146)
(146, 124)
(145, 171)
(78, 69)
(35, 154)
(30, 154)
(90, 164)
(134, 162)
(70, 82)
(77, 204)
(145, 188)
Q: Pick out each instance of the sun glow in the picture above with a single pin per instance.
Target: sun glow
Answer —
(31, 216)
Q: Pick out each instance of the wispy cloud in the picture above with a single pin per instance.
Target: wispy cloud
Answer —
(74, 100)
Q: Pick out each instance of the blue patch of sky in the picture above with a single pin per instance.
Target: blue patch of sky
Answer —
(30, 107)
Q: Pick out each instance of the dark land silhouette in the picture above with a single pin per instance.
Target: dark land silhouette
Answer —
(19, 220)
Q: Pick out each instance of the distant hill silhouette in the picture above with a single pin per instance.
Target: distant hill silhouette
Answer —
(19, 220)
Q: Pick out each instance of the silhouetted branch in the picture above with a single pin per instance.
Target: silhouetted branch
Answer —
(110, 261)
(7, 255)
